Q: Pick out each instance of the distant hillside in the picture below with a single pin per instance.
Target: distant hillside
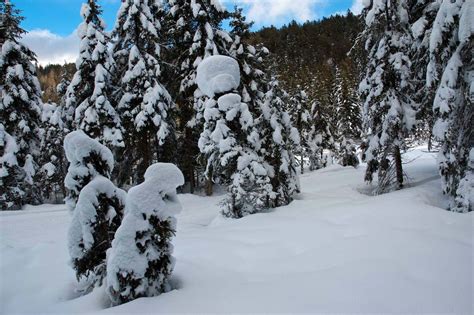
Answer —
(307, 54)
(50, 76)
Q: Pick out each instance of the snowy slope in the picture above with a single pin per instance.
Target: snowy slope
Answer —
(332, 250)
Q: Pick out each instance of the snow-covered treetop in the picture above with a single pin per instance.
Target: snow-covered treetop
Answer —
(377, 7)
(218, 74)
(161, 181)
(137, 14)
(78, 147)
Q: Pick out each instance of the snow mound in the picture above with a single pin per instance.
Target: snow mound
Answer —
(218, 74)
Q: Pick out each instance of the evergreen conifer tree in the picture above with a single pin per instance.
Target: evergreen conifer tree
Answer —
(67, 116)
(319, 138)
(279, 139)
(422, 16)
(144, 104)
(264, 99)
(348, 120)
(301, 120)
(453, 35)
(195, 34)
(20, 109)
(389, 112)
(88, 95)
(53, 162)
(230, 141)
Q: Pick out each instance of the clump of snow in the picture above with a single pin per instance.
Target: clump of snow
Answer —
(140, 262)
(218, 74)
(87, 159)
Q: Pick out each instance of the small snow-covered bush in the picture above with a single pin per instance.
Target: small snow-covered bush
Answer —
(140, 262)
(87, 159)
(98, 214)
(347, 153)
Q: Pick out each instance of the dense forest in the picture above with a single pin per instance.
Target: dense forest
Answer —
(304, 56)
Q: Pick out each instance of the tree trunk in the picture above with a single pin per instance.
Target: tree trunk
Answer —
(209, 183)
(208, 187)
(398, 166)
(302, 164)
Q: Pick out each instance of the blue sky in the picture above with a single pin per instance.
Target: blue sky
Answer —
(52, 23)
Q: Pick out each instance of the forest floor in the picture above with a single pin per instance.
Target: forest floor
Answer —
(333, 250)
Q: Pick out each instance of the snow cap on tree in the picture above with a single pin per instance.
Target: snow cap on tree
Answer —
(218, 74)
(87, 159)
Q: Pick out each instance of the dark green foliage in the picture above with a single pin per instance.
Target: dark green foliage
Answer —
(103, 229)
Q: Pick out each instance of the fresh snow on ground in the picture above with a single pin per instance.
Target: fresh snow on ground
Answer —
(334, 249)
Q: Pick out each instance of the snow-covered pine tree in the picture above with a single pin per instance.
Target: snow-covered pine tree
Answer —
(268, 109)
(319, 138)
(144, 237)
(279, 138)
(388, 111)
(87, 159)
(67, 116)
(230, 141)
(453, 36)
(348, 120)
(251, 60)
(301, 120)
(53, 162)
(89, 92)
(20, 108)
(144, 104)
(195, 34)
(422, 16)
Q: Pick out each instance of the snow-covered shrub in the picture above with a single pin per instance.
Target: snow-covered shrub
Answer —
(140, 262)
(98, 214)
(347, 153)
(87, 159)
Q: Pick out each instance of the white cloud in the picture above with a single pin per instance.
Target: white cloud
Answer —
(265, 12)
(52, 48)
